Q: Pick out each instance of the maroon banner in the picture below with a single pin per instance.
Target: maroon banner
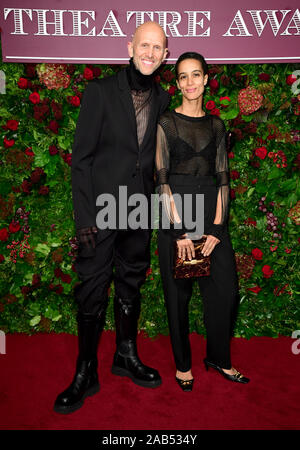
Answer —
(77, 31)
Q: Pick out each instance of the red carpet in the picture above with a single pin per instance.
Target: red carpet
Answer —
(36, 368)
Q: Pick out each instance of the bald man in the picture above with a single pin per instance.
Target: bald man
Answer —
(114, 146)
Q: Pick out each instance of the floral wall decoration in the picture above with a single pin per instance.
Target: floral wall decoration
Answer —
(38, 114)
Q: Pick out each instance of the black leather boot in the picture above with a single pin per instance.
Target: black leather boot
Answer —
(85, 382)
(126, 361)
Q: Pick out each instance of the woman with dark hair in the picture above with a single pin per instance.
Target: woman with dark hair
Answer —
(191, 158)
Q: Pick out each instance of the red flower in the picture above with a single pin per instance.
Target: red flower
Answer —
(255, 180)
(88, 74)
(96, 71)
(3, 234)
(66, 278)
(53, 150)
(36, 174)
(23, 83)
(75, 100)
(257, 254)
(59, 289)
(157, 79)
(255, 289)
(25, 290)
(231, 155)
(267, 271)
(14, 227)
(25, 186)
(34, 97)
(1, 258)
(273, 249)
(29, 152)
(234, 175)
(232, 194)
(213, 84)
(250, 221)
(172, 90)
(58, 272)
(287, 250)
(8, 142)
(36, 280)
(261, 152)
(264, 76)
(67, 158)
(149, 271)
(168, 76)
(44, 190)
(53, 126)
(290, 79)
(12, 125)
(224, 104)
(215, 111)
(210, 105)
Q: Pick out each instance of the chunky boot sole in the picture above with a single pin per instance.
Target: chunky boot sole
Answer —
(126, 373)
(61, 409)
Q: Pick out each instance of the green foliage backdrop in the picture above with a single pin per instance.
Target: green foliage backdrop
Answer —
(38, 113)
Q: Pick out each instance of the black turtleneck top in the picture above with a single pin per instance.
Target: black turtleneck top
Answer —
(141, 92)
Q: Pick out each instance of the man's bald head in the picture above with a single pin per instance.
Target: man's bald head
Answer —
(152, 27)
(148, 47)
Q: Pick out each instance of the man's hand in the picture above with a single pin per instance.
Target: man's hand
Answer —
(87, 236)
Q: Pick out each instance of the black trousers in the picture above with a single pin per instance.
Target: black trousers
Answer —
(126, 251)
(219, 291)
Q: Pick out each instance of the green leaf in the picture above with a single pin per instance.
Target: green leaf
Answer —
(250, 191)
(35, 320)
(275, 173)
(231, 114)
(44, 249)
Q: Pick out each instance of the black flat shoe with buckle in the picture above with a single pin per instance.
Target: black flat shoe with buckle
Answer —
(238, 377)
(186, 385)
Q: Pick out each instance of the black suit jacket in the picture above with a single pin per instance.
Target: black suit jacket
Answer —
(105, 152)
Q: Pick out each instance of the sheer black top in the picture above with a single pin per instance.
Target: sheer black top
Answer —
(193, 146)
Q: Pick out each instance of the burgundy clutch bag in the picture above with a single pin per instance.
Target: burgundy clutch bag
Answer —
(197, 267)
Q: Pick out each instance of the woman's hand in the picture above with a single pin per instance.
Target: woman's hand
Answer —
(186, 249)
(210, 244)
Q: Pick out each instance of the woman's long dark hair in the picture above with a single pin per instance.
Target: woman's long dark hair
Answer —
(191, 55)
